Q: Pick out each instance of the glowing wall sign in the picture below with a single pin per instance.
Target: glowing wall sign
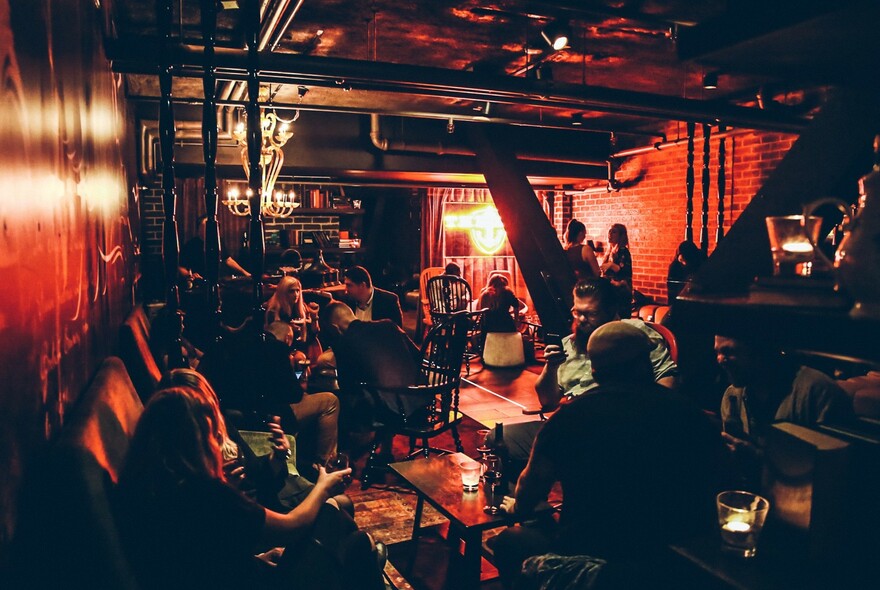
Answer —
(484, 224)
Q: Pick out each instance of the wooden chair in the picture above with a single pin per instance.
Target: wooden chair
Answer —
(429, 407)
(425, 321)
(449, 294)
(668, 337)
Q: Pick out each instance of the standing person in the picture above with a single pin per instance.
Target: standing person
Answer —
(687, 261)
(581, 256)
(606, 449)
(192, 256)
(617, 267)
(501, 305)
(184, 526)
(367, 301)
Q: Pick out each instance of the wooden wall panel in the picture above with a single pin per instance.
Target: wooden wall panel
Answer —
(67, 245)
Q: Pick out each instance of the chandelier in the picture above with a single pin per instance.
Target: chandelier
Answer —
(275, 133)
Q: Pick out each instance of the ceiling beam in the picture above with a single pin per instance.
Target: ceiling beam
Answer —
(137, 56)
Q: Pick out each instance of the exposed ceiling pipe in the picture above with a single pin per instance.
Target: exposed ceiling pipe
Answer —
(185, 131)
(662, 145)
(388, 145)
(131, 56)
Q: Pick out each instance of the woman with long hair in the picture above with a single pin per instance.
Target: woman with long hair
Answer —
(581, 256)
(184, 525)
(617, 267)
(287, 305)
(685, 264)
(501, 305)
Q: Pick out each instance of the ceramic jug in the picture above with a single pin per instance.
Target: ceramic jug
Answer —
(857, 259)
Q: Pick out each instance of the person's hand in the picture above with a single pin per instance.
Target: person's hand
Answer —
(195, 276)
(332, 483)
(554, 354)
(280, 444)
(738, 446)
(234, 471)
(271, 556)
(312, 309)
(508, 505)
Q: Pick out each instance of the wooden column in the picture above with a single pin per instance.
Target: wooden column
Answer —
(689, 185)
(707, 181)
(256, 237)
(722, 185)
(170, 243)
(209, 151)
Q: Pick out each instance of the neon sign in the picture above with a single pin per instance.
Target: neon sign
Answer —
(485, 227)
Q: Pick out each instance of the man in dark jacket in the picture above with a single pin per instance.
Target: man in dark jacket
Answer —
(375, 352)
(367, 301)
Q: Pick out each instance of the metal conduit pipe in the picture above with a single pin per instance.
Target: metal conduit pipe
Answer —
(662, 145)
(387, 145)
(128, 56)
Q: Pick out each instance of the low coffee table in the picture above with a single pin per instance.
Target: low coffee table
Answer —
(437, 480)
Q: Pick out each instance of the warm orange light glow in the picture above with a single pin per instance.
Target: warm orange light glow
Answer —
(485, 227)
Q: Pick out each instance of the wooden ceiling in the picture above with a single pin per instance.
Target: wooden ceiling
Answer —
(630, 67)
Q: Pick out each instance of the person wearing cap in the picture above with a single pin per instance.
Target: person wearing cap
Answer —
(568, 373)
(625, 455)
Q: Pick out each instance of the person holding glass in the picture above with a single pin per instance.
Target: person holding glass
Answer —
(183, 524)
(617, 267)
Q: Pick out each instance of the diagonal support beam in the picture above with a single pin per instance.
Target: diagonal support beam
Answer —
(534, 242)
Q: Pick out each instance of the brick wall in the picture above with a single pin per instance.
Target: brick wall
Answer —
(653, 207)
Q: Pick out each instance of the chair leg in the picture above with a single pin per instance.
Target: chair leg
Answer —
(457, 439)
(426, 448)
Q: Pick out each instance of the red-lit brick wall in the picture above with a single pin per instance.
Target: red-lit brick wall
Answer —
(653, 205)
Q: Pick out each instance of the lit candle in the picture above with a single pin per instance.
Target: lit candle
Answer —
(798, 247)
(737, 526)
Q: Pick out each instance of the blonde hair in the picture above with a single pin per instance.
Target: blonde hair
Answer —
(280, 304)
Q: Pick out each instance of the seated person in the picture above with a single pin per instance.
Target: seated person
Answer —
(376, 352)
(452, 269)
(766, 387)
(183, 526)
(367, 301)
(255, 377)
(501, 305)
(619, 452)
(192, 256)
(264, 479)
(567, 373)
(287, 305)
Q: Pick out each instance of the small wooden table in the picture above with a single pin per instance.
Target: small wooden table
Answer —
(437, 480)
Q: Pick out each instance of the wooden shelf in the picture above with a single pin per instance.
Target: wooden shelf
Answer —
(326, 211)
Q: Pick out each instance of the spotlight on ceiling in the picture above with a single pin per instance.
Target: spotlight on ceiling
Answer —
(710, 80)
(556, 34)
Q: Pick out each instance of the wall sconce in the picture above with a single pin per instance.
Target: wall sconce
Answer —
(556, 34)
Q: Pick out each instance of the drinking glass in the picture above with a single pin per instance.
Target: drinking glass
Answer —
(470, 475)
(337, 462)
(741, 517)
(492, 487)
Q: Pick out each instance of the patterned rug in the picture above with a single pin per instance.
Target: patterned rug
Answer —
(387, 510)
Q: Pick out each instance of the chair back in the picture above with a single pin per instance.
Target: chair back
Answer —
(448, 294)
(443, 349)
(668, 337)
(428, 273)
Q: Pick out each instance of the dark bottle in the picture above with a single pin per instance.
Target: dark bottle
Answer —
(499, 448)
